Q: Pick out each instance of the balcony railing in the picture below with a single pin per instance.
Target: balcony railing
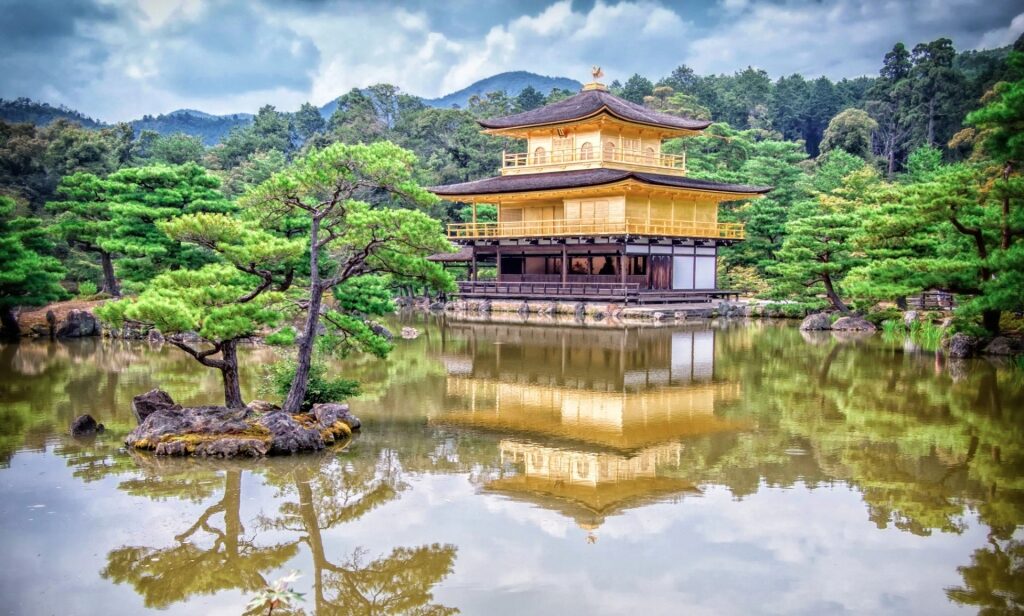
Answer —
(512, 160)
(630, 226)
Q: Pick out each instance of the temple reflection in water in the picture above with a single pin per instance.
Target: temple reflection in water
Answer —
(599, 418)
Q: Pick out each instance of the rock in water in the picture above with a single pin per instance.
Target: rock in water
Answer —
(85, 425)
(818, 321)
(78, 324)
(854, 324)
(410, 333)
(1003, 345)
(145, 404)
(962, 346)
(287, 435)
(909, 318)
(224, 432)
(330, 412)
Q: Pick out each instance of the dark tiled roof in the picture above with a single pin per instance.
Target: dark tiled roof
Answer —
(588, 103)
(555, 180)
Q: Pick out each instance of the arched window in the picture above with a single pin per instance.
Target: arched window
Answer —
(540, 156)
(609, 150)
(650, 156)
(586, 151)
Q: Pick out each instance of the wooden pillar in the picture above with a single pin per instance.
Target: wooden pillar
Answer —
(622, 264)
(565, 265)
(497, 258)
(474, 213)
(472, 264)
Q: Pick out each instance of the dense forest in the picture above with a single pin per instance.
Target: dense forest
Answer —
(884, 186)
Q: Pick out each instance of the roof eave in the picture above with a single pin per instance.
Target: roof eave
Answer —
(604, 109)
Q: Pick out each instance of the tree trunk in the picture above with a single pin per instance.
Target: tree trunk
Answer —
(990, 320)
(304, 358)
(9, 328)
(109, 279)
(1006, 233)
(229, 371)
(833, 297)
(931, 123)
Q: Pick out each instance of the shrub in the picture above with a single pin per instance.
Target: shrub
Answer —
(87, 288)
(321, 388)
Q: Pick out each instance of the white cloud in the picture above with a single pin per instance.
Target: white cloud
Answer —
(121, 60)
(1000, 37)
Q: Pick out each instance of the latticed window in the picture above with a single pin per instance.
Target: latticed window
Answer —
(561, 149)
(586, 151)
(540, 156)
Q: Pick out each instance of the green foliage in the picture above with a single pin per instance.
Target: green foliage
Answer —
(817, 252)
(365, 295)
(203, 301)
(637, 87)
(1001, 121)
(851, 132)
(87, 288)
(529, 98)
(118, 216)
(321, 388)
(269, 131)
(29, 276)
(484, 213)
(173, 149)
(282, 337)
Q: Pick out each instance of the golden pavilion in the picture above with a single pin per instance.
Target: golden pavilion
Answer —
(594, 209)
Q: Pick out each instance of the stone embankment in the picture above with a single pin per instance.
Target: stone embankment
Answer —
(598, 311)
(259, 429)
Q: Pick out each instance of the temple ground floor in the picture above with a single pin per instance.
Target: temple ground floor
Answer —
(626, 270)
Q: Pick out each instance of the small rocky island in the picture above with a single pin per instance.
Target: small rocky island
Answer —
(259, 429)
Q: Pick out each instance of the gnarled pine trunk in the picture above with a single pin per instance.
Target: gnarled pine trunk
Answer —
(229, 372)
(304, 357)
(109, 279)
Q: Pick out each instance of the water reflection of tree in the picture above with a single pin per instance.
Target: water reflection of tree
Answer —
(207, 557)
(341, 492)
(994, 581)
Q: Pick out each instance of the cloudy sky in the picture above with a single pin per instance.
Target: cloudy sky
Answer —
(119, 59)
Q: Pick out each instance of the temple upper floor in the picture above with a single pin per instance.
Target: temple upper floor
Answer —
(591, 146)
(590, 130)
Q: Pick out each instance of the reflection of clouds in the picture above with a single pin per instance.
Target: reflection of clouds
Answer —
(776, 551)
(549, 522)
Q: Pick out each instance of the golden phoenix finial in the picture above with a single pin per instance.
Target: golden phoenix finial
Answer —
(596, 71)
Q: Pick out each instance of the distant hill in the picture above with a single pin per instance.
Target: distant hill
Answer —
(210, 128)
(510, 83)
(28, 111)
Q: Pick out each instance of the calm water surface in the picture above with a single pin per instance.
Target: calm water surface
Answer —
(535, 469)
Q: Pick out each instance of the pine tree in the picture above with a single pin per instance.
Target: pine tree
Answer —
(348, 237)
(818, 251)
(29, 276)
(221, 302)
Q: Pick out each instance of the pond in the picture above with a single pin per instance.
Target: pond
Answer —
(537, 468)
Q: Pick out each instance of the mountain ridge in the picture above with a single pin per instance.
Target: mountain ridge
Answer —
(211, 128)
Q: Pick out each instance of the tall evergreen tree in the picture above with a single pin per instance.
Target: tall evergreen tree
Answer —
(29, 275)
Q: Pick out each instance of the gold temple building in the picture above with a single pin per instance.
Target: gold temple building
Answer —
(594, 209)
